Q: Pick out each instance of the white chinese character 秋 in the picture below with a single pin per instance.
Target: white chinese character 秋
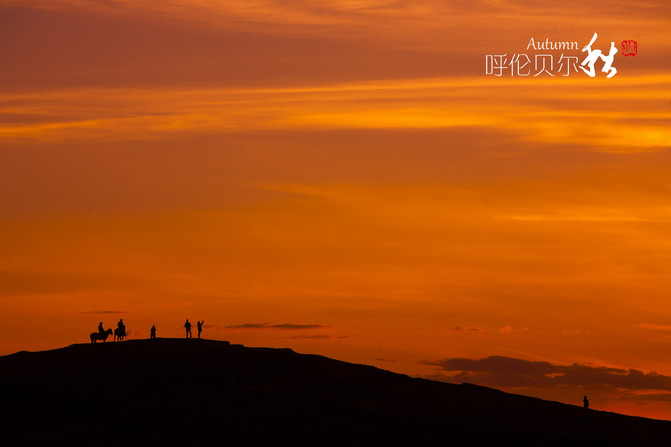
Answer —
(594, 55)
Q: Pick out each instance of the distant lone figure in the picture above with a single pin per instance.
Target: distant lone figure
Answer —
(153, 332)
(585, 402)
(187, 326)
(200, 327)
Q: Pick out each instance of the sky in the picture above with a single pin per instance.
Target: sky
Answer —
(344, 178)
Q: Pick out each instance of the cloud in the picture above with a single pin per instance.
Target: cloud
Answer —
(437, 103)
(106, 312)
(392, 19)
(277, 327)
(248, 326)
(655, 327)
(584, 217)
(319, 337)
(505, 330)
(647, 395)
(33, 282)
(311, 337)
(575, 332)
(290, 327)
(499, 371)
(466, 329)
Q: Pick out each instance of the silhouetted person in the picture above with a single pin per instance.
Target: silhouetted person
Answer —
(100, 328)
(200, 327)
(122, 327)
(187, 326)
(153, 332)
(585, 402)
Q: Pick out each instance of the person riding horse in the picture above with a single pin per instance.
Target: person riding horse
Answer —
(122, 328)
(100, 335)
(120, 331)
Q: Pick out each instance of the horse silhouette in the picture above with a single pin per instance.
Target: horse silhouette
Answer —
(119, 334)
(95, 336)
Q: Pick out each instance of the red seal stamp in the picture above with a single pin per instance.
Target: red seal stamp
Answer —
(629, 48)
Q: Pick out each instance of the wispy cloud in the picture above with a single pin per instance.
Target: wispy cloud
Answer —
(369, 19)
(277, 327)
(628, 391)
(498, 371)
(312, 337)
(435, 103)
(655, 327)
(105, 312)
(614, 216)
(465, 329)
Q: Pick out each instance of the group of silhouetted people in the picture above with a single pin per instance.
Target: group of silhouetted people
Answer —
(121, 329)
(187, 326)
(102, 334)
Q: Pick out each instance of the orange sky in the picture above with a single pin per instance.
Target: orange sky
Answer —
(342, 178)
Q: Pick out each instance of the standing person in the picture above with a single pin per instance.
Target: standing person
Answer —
(187, 326)
(153, 332)
(200, 327)
(585, 402)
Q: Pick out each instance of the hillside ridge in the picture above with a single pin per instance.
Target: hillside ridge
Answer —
(168, 390)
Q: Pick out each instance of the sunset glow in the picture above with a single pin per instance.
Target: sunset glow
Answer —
(345, 180)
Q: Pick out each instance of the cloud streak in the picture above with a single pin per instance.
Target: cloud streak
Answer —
(465, 330)
(111, 312)
(276, 327)
(369, 19)
(577, 111)
(654, 327)
(499, 371)
(311, 337)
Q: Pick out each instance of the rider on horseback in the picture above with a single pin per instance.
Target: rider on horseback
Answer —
(100, 328)
(122, 327)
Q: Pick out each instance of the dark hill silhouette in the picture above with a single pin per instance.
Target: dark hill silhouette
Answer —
(174, 391)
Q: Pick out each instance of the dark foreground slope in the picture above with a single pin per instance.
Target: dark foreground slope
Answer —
(170, 392)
